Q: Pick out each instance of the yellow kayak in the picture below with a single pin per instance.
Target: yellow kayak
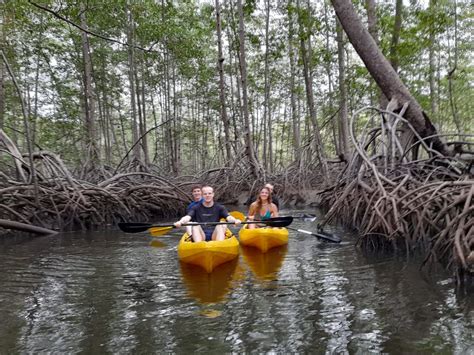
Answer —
(208, 255)
(263, 238)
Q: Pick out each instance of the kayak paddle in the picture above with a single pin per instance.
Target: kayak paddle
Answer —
(137, 227)
(305, 217)
(320, 235)
(159, 231)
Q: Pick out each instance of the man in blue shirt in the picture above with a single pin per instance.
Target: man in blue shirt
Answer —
(197, 199)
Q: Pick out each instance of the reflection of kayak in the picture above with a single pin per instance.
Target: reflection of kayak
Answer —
(263, 238)
(156, 243)
(265, 265)
(208, 255)
(208, 287)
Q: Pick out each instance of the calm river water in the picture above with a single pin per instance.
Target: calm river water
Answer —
(110, 292)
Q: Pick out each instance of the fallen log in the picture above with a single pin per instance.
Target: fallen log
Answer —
(23, 227)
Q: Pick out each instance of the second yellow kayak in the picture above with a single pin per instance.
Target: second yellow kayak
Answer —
(263, 238)
(208, 255)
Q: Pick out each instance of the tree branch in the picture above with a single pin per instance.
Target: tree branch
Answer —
(62, 18)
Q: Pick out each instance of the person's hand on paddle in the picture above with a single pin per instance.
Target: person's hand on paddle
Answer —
(234, 220)
(182, 221)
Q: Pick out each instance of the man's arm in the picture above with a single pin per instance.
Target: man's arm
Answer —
(182, 221)
(232, 219)
(190, 215)
(228, 217)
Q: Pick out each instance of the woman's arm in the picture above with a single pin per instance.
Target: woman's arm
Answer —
(251, 213)
(274, 210)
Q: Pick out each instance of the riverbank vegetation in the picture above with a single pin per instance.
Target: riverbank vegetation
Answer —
(112, 110)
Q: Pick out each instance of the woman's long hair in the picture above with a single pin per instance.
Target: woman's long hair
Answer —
(259, 199)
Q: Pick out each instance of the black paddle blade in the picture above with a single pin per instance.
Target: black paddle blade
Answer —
(308, 217)
(321, 235)
(134, 227)
(278, 221)
(328, 237)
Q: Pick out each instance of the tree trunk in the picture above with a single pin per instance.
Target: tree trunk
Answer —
(372, 24)
(220, 67)
(108, 127)
(26, 127)
(2, 94)
(268, 156)
(131, 80)
(243, 77)
(34, 113)
(141, 105)
(232, 67)
(432, 68)
(89, 99)
(372, 19)
(396, 35)
(327, 66)
(384, 74)
(176, 143)
(2, 67)
(294, 113)
(308, 79)
(343, 119)
(452, 102)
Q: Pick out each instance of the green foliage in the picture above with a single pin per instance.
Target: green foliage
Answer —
(249, 7)
(176, 61)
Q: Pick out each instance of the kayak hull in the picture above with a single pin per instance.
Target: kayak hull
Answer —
(263, 238)
(208, 255)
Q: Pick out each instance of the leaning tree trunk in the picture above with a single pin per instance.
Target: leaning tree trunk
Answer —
(383, 73)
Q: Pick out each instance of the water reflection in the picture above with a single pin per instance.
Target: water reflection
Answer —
(265, 266)
(112, 293)
(208, 287)
(157, 243)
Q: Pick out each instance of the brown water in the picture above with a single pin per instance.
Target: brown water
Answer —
(109, 292)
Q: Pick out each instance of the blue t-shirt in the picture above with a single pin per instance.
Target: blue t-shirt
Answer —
(192, 204)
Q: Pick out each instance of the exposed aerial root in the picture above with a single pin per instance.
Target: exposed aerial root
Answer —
(399, 193)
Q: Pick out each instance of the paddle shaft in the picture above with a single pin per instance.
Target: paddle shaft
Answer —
(306, 217)
(141, 227)
(329, 238)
